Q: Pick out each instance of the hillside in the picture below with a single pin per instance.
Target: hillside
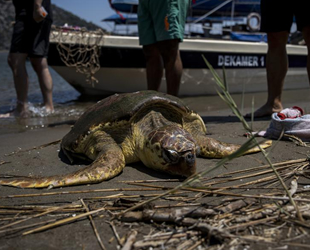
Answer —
(61, 17)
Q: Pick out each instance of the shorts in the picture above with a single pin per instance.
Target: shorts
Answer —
(278, 15)
(30, 37)
(161, 20)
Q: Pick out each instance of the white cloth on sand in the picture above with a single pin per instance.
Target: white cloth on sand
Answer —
(299, 127)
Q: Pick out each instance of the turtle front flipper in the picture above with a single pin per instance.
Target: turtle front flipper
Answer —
(109, 163)
(212, 148)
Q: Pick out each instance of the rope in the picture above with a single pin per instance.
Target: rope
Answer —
(79, 48)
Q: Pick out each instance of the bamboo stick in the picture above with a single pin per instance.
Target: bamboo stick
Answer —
(26, 226)
(34, 216)
(303, 160)
(130, 240)
(94, 226)
(64, 221)
(78, 192)
(150, 181)
(115, 233)
(247, 195)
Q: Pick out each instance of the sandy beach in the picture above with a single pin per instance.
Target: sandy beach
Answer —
(79, 234)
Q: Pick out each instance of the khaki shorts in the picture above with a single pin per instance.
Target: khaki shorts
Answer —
(161, 20)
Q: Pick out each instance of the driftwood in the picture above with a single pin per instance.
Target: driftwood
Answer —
(182, 217)
(172, 216)
(233, 206)
(130, 240)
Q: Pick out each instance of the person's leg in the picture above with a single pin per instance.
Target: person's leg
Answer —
(17, 62)
(306, 35)
(169, 50)
(276, 67)
(40, 66)
(154, 66)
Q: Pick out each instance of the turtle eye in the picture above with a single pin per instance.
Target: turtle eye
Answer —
(171, 156)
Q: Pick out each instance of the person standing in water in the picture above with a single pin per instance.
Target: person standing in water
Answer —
(30, 39)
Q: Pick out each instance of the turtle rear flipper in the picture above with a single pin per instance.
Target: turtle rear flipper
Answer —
(107, 165)
(212, 148)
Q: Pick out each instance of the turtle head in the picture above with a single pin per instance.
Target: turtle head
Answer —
(170, 149)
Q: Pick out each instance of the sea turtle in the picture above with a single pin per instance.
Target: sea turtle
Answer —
(148, 126)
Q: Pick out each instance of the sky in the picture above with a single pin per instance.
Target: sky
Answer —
(90, 10)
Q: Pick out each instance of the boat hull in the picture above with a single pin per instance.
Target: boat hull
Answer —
(195, 82)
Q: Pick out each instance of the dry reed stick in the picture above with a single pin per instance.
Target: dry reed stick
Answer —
(265, 179)
(150, 181)
(130, 196)
(168, 235)
(298, 245)
(263, 166)
(243, 176)
(149, 186)
(37, 207)
(94, 226)
(252, 223)
(26, 226)
(130, 240)
(283, 185)
(34, 216)
(198, 243)
(115, 233)
(33, 209)
(154, 244)
(247, 195)
(64, 221)
(78, 192)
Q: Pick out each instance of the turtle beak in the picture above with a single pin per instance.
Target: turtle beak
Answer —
(180, 163)
(183, 163)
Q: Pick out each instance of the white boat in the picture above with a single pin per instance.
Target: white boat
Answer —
(120, 65)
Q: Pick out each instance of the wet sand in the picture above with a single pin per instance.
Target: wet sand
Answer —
(221, 124)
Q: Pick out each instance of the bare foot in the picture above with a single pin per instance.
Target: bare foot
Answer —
(15, 113)
(7, 115)
(49, 108)
(264, 111)
(49, 111)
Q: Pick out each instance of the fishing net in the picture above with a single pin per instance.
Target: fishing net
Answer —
(79, 48)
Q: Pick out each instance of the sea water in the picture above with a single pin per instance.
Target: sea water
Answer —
(67, 101)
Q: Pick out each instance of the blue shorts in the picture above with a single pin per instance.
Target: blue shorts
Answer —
(160, 20)
(278, 15)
